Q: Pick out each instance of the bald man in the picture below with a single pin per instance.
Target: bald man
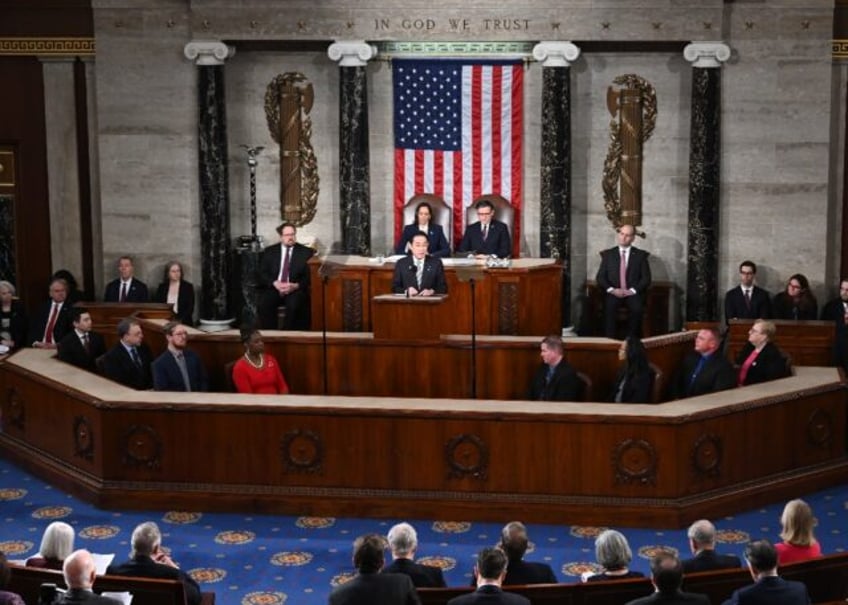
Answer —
(79, 572)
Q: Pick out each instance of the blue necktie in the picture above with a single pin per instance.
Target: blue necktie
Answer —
(135, 356)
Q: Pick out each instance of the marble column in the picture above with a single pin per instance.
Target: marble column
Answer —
(555, 203)
(704, 180)
(209, 56)
(354, 171)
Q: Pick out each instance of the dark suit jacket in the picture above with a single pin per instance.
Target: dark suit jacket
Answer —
(707, 560)
(77, 595)
(492, 595)
(40, 319)
(735, 307)
(498, 241)
(137, 292)
(565, 385)
(145, 567)
(716, 375)
(638, 270)
(525, 572)
(438, 246)
(71, 350)
(18, 324)
(770, 591)
(167, 376)
(185, 300)
(433, 278)
(374, 588)
(636, 390)
(783, 307)
(769, 365)
(269, 266)
(673, 598)
(117, 365)
(834, 311)
(10, 598)
(424, 576)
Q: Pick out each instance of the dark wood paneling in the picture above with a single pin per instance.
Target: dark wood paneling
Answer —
(808, 343)
(43, 18)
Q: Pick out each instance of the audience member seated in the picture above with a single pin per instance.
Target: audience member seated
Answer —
(284, 281)
(702, 542)
(747, 301)
(488, 236)
(369, 585)
(403, 542)
(797, 524)
(796, 302)
(555, 380)
(13, 319)
(126, 288)
(760, 360)
(81, 346)
(53, 319)
(704, 370)
(514, 543)
(6, 597)
(57, 543)
(257, 372)
(667, 578)
(768, 587)
(835, 310)
(635, 379)
(176, 291)
(148, 560)
(75, 295)
(437, 242)
(79, 571)
(613, 554)
(178, 368)
(419, 274)
(489, 574)
(128, 362)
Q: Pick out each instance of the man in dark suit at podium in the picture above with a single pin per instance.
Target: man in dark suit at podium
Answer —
(284, 281)
(624, 275)
(419, 274)
(81, 346)
(747, 301)
(126, 288)
(488, 236)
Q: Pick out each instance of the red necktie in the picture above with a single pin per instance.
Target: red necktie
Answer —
(622, 271)
(284, 274)
(123, 297)
(51, 323)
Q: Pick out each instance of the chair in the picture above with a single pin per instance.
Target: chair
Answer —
(504, 211)
(658, 387)
(588, 393)
(228, 376)
(442, 213)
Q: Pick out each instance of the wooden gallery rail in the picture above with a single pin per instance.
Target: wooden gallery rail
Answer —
(642, 465)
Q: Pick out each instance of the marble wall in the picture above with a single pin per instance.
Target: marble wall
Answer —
(780, 113)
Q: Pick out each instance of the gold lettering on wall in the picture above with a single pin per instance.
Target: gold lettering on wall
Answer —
(455, 24)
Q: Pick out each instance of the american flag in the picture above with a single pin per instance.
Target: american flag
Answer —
(458, 134)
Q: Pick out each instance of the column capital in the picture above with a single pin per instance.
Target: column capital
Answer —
(351, 53)
(556, 54)
(706, 54)
(208, 52)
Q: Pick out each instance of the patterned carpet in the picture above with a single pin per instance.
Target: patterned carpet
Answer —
(270, 560)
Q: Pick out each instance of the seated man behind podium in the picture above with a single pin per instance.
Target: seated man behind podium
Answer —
(369, 585)
(514, 543)
(702, 539)
(284, 280)
(747, 301)
(488, 236)
(555, 379)
(768, 588)
(148, 560)
(81, 346)
(79, 571)
(419, 274)
(667, 578)
(126, 288)
(625, 276)
(178, 368)
(489, 574)
(704, 370)
(403, 542)
(128, 362)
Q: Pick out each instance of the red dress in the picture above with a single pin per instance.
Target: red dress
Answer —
(789, 553)
(266, 380)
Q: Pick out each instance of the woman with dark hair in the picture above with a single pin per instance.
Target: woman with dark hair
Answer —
(6, 597)
(256, 371)
(13, 319)
(635, 378)
(796, 302)
(177, 291)
(439, 246)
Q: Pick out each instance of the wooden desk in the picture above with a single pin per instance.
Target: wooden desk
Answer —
(416, 318)
(106, 316)
(523, 299)
(808, 343)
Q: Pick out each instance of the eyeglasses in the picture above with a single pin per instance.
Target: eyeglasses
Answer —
(484, 213)
(746, 272)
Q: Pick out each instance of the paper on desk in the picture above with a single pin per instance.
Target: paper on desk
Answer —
(101, 562)
(123, 597)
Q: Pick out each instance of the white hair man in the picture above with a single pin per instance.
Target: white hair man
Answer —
(79, 571)
(403, 542)
(702, 542)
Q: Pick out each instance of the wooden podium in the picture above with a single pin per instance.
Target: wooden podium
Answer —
(415, 318)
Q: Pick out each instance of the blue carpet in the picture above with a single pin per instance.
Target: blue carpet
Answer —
(270, 560)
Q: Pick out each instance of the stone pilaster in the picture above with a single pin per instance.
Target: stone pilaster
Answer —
(354, 167)
(209, 56)
(704, 180)
(555, 210)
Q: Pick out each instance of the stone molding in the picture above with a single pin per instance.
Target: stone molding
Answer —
(556, 54)
(351, 53)
(208, 52)
(42, 47)
(706, 54)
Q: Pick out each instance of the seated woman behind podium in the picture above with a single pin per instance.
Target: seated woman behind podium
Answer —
(796, 301)
(635, 378)
(13, 319)
(438, 245)
(760, 360)
(257, 372)
(175, 290)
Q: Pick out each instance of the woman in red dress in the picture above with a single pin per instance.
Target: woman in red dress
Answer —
(258, 372)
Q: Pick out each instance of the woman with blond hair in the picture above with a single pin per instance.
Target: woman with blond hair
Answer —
(56, 544)
(798, 544)
(760, 360)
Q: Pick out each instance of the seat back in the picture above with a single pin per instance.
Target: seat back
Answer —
(442, 213)
(228, 376)
(588, 393)
(504, 211)
(657, 388)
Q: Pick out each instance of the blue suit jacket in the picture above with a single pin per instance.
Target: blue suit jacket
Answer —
(438, 247)
(167, 375)
(497, 242)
